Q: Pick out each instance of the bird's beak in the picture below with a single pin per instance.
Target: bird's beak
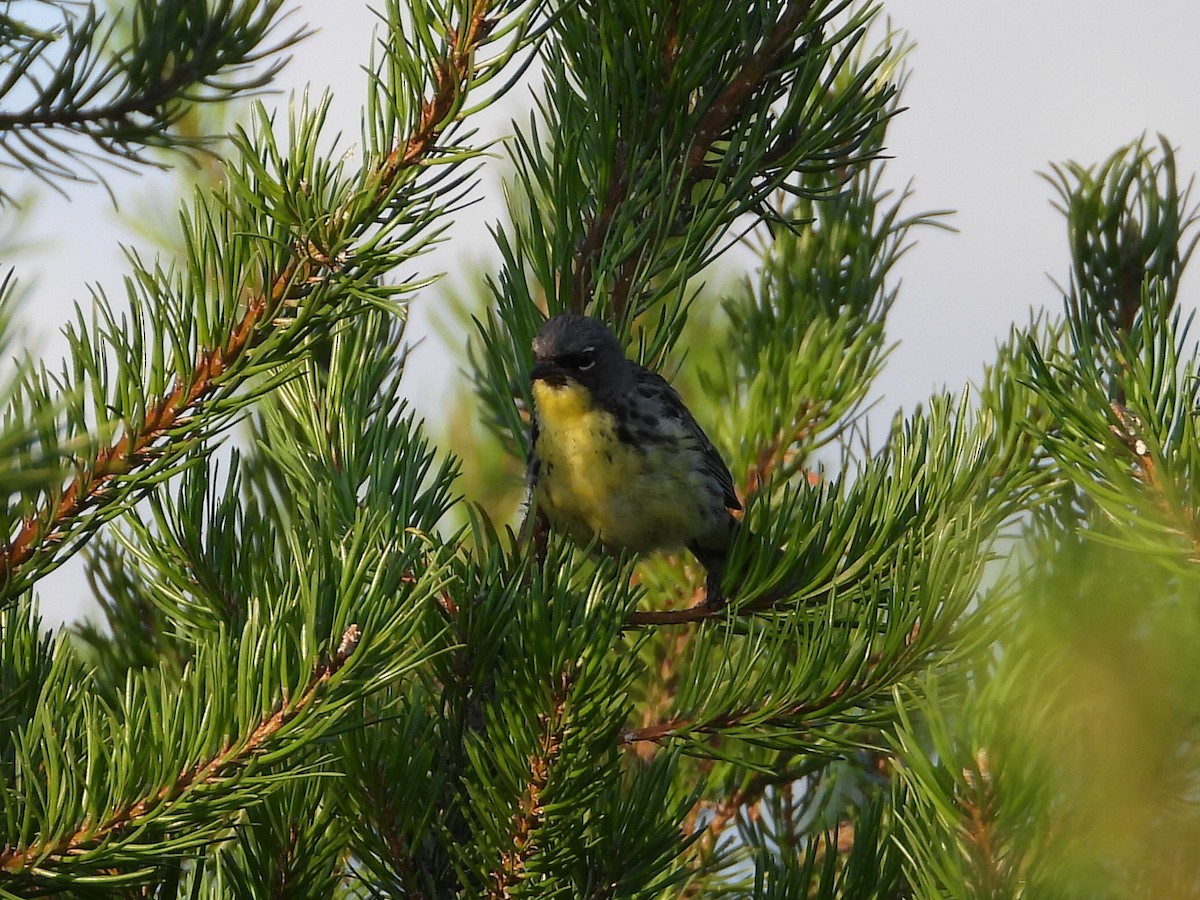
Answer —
(547, 371)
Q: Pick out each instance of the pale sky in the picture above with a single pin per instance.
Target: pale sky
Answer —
(997, 92)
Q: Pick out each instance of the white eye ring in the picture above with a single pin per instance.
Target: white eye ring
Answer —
(589, 352)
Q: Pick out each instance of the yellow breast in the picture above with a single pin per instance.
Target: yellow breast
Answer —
(594, 485)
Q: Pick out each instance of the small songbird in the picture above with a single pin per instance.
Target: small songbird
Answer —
(616, 456)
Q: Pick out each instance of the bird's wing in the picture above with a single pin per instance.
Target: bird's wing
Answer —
(656, 388)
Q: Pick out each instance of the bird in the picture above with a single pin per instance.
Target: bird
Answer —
(617, 458)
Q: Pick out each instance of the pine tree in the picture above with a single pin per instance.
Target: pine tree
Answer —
(333, 664)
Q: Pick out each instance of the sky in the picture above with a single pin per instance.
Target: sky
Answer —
(997, 93)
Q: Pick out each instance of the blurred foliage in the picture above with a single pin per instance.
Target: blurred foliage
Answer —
(1066, 765)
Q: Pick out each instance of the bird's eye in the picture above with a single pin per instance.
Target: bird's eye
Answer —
(581, 361)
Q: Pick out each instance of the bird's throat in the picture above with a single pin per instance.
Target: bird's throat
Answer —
(562, 405)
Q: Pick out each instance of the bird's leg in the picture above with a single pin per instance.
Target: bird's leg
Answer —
(714, 599)
(714, 567)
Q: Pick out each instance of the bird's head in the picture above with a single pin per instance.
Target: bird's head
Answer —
(580, 350)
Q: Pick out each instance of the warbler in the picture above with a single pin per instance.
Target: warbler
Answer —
(616, 456)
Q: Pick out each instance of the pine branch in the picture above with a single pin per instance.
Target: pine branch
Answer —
(135, 450)
(699, 611)
(1120, 428)
(777, 454)
(234, 758)
(1129, 220)
(151, 101)
(981, 827)
(454, 70)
